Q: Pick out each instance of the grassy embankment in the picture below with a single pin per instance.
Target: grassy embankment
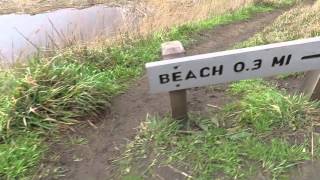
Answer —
(268, 131)
(51, 92)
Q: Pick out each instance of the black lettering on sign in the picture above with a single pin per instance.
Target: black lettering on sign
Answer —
(239, 67)
(282, 61)
(203, 73)
(215, 70)
(176, 76)
(257, 64)
(164, 78)
(288, 59)
(191, 75)
(311, 57)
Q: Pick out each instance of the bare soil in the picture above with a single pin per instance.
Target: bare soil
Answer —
(94, 160)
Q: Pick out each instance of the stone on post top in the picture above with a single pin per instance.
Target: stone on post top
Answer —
(178, 99)
(171, 48)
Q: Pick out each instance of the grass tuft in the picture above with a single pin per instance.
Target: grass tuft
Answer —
(276, 156)
(265, 107)
(13, 153)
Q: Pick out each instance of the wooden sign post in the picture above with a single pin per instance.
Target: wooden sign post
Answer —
(311, 85)
(180, 73)
(178, 98)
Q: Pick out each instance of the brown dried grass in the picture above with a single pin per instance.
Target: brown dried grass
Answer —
(300, 22)
(161, 14)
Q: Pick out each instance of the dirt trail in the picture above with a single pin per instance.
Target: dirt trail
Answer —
(93, 161)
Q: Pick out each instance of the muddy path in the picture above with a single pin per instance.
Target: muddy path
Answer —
(93, 159)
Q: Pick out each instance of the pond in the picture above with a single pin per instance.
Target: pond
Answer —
(22, 35)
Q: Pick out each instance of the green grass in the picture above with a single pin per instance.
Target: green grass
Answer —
(75, 83)
(20, 154)
(257, 141)
(270, 109)
(277, 156)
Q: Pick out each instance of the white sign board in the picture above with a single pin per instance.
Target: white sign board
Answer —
(226, 66)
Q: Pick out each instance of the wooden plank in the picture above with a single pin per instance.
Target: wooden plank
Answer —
(226, 66)
(311, 85)
(178, 98)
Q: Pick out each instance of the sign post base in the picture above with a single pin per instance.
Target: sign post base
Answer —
(311, 85)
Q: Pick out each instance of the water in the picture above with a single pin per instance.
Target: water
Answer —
(23, 34)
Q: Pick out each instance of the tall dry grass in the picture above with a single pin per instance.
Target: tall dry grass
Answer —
(162, 14)
(154, 15)
(300, 22)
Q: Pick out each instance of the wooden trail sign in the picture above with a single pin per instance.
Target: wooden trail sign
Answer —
(178, 98)
(208, 69)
